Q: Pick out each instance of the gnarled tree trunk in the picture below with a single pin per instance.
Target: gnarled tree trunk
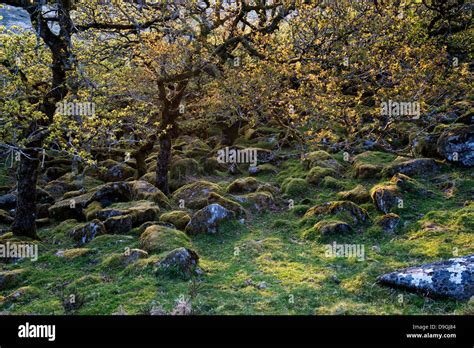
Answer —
(162, 164)
(27, 176)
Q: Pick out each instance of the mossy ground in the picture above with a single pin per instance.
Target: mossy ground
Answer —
(264, 266)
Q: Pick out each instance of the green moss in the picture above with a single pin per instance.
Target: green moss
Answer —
(244, 185)
(370, 164)
(316, 174)
(331, 227)
(91, 210)
(178, 218)
(71, 254)
(158, 239)
(358, 194)
(332, 183)
(294, 187)
(299, 210)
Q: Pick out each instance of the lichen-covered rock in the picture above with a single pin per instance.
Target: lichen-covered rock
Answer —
(117, 172)
(316, 174)
(244, 185)
(424, 144)
(385, 197)
(358, 194)
(178, 218)
(326, 228)
(143, 190)
(453, 278)
(195, 195)
(208, 219)
(418, 166)
(258, 201)
(9, 279)
(266, 168)
(407, 184)
(71, 208)
(227, 203)
(158, 239)
(118, 224)
(457, 145)
(130, 256)
(71, 254)
(183, 260)
(87, 232)
(110, 193)
(320, 159)
(389, 222)
(345, 209)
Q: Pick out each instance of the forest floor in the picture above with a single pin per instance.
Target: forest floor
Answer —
(273, 263)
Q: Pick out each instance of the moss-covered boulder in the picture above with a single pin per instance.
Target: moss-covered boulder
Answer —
(388, 222)
(143, 190)
(23, 295)
(118, 224)
(345, 210)
(117, 172)
(316, 174)
(211, 165)
(258, 201)
(158, 239)
(178, 218)
(91, 211)
(71, 208)
(369, 164)
(407, 184)
(418, 166)
(320, 159)
(456, 145)
(358, 194)
(294, 186)
(208, 219)
(386, 197)
(195, 195)
(86, 232)
(263, 169)
(184, 168)
(332, 183)
(244, 185)
(227, 203)
(330, 228)
(181, 260)
(72, 254)
(9, 279)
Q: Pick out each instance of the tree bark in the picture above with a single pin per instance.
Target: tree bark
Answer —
(230, 133)
(162, 163)
(25, 215)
